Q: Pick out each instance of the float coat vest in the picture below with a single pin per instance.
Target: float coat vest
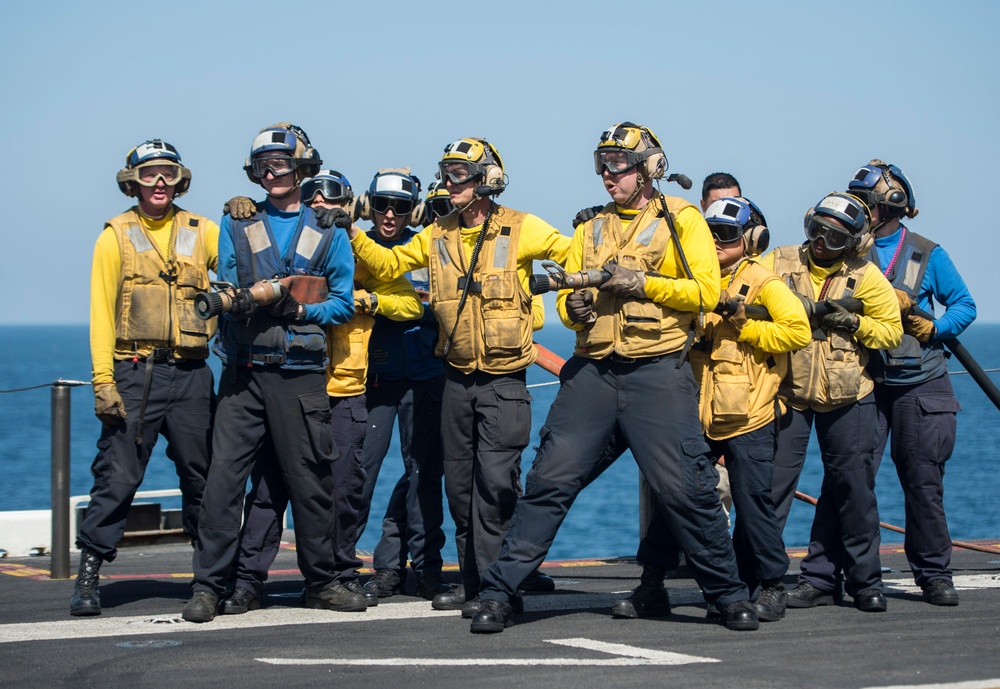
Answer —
(830, 373)
(493, 332)
(405, 349)
(631, 328)
(738, 382)
(155, 306)
(910, 362)
(347, 349)
(264, 339)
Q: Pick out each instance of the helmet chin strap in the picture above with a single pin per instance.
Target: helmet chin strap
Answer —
(640, 182)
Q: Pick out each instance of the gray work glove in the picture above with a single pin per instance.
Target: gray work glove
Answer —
(586, 215)
(840, 318)
(580, 307)
(240, 207)
(330, 217)
(624, 282)
(108, 405)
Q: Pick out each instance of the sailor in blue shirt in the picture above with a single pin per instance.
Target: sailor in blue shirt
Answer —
(915, 400)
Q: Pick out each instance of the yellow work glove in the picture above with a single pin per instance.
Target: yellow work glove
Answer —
(920, 328)
(905, 302)
(108, 405)
(365, 301)
(240, 207)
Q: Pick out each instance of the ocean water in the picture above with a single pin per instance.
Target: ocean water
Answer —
(604, 521)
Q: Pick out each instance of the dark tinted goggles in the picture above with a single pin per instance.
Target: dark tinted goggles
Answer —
(400, 207)
(331, 190)
(441, 206)
(835, 238)
(725, 232)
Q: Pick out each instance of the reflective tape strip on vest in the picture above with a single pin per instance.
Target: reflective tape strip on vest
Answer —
(631, 327)
(263, 338)
(911, 362)
(493, 332)
(152, 311)
(830, 373)
(738, 383)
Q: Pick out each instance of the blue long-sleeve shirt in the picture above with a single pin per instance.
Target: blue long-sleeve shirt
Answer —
(941, 283)
(338, 268)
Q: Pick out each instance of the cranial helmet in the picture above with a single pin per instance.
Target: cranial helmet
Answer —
(854, 232)
(885, 185)
(623, 146)
(478, 158)
(438, 201)
(396, 189)
(329, 184)
(732, 218)
(297, 154)
(149, 154)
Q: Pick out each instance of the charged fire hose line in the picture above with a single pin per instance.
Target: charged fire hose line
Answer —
(552, 362)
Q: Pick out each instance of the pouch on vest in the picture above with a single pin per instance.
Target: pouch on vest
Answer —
(501, 313)
(730, 382)
(908, 356)
(843, 370)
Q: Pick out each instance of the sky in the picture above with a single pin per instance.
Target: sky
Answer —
(790, 97)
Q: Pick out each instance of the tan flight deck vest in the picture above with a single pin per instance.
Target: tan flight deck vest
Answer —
(494, 327)
(738, 382)
(631, 328)
(152, 312)
(347, 349)
(830, 373)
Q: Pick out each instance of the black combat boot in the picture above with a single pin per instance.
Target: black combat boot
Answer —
(86, 601)
(770, 604)
(650, 598)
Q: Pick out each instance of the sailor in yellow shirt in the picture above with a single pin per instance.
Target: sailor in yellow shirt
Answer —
(480, 259)
(628, 375)
(148, 350)
(346, 376)
(828, 385)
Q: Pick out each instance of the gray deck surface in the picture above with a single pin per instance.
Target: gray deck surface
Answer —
(564, 639)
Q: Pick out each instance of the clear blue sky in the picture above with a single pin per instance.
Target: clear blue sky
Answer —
(792, 99)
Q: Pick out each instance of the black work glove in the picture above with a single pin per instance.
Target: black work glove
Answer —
(333, 217)
(624, 282)
(586, 215)
(285, 307)
(243, 305)
(580, 306)
(840, 318)
(240, 207)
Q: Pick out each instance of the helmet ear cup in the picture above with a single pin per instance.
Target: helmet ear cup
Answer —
(864, 245)
(362, 207)
(756, 240)
(417, 215)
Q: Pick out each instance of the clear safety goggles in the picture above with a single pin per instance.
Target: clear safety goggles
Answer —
(278, 166)
(149, 174)
(835, 238)
(615, 160)
(725, 232)
(399, 207)
(459, 172)
(332, 190)
(441, 206)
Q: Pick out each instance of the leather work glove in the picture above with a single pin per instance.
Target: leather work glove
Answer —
(108, 405)
(808, 304)
(738, 318)
(624, 282)
(364, 301)
(580, 307)
(840, 318)
(586, 215)
(286, 306)
(920, 328)
(905, 302)
(240, 207)
(333, 217)
(243, 305)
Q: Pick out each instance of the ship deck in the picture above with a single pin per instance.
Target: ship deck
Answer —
(564, 639)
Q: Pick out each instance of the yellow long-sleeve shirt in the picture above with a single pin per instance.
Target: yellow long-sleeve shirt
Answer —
(788, 328)
(676, 290)
(879, 327)
(106, 278)
(539, 241)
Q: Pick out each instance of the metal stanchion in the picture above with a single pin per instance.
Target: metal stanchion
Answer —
(60, 479)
